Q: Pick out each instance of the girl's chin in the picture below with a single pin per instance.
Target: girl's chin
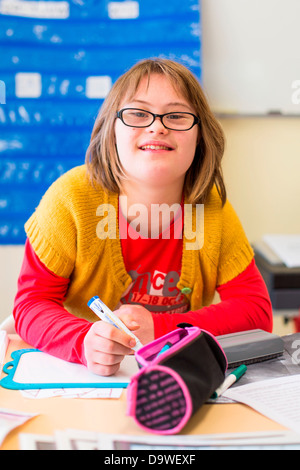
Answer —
(157, 173)
(156, 179)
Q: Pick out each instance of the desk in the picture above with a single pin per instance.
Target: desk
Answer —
(109, 415)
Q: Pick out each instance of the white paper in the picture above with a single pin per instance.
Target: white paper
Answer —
(261, 440)
(287, 247)
(98, 87)
(39, 367)
(75, 439)
(123, 10)
(72, 393)
(37, 442)
(10, 419)
(3, 347)
(278, 399)
(2, 96)
(34, 9)
(28, 85)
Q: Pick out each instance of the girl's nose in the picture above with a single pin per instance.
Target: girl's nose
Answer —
(157, 126)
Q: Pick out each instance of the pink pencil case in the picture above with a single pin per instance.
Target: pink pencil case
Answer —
(178, 373)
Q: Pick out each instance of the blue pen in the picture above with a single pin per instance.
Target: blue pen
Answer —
(105, 314)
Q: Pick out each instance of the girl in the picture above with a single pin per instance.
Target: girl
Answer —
(101, 229)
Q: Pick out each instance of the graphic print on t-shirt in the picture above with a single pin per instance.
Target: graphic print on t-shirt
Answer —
(156, 291)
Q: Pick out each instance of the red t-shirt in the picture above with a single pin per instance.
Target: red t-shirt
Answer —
(154, 265)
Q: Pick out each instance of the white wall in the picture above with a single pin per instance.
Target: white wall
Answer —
(10, 265)
(262, 173)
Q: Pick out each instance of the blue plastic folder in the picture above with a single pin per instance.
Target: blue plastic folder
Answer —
(34, 369)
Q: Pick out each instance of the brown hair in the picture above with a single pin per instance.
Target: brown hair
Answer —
(102, 159)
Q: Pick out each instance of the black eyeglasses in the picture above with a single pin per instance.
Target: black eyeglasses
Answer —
(176, 121)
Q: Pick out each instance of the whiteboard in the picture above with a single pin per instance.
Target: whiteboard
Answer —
(251, 55)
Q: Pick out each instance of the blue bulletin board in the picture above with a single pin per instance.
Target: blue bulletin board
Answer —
(58, 60)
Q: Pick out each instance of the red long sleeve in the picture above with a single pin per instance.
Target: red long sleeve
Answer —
(245, 305)
(40, 317)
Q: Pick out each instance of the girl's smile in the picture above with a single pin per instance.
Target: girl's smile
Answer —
(154, 145)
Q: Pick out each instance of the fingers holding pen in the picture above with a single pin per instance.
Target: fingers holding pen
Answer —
(105, 347)
(116, 339)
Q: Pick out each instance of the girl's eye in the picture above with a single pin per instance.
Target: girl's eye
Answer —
(137, 115)
(177, 116)
(140, 115)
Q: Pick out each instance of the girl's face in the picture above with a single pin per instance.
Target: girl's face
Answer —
(155, 156)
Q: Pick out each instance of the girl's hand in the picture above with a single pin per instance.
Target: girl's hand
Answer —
(105, 345)
(139, 320)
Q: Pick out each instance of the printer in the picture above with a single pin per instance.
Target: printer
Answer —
(283, 282)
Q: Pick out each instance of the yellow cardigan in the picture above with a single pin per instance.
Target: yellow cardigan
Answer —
(66, 233)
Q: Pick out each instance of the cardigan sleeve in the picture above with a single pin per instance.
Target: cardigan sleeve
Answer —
(40, 318)
(51, 229)
(235, 252)
(245, 305)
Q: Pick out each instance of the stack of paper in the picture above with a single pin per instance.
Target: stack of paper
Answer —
(11, 419)
(278, 399)
(3, 347)
(75, 439)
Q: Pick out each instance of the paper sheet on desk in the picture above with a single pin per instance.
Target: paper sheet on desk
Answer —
(278, 399)
(73, 393)
(38, 367)
(284, 366)
(3, 347)
(10, 419)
